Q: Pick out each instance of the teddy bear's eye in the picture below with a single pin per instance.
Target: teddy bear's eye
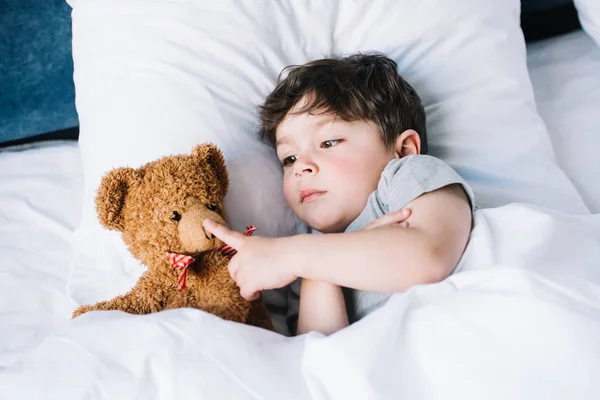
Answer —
(212, 207)
(176, 216)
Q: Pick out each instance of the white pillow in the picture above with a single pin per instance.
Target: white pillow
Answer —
(589, 16)
(566, 81)
(155, 77)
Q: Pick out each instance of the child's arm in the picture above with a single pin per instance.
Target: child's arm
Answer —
(322, 308)
(390, 259)
(386, 259)
(321, 304)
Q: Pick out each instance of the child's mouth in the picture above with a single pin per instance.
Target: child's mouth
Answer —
(309, 195)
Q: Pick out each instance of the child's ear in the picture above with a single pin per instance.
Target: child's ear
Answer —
(408, 143)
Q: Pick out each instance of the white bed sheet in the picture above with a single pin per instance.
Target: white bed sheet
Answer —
(41, 188)
(521, 320)
(565, 73)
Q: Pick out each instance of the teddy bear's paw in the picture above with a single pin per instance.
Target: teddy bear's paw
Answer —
(81, 310)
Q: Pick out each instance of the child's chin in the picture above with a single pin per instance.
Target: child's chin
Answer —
(326, 225)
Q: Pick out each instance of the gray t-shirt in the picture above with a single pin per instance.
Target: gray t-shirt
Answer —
(402, 181)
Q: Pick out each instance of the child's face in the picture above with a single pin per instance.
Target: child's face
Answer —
(330, 167)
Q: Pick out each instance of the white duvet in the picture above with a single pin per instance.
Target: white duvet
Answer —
(519, 319)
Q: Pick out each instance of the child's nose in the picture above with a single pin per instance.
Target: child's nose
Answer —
(305, 165)
(305, 168)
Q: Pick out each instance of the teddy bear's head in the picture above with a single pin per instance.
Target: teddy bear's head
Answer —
(160, 207)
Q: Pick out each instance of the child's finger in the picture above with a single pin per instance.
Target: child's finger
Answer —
(396, 217)
(232, 238)
(232, 267)
(402, 214)
(249, 295)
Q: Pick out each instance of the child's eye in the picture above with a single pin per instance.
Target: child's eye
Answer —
(289, 161)
(330, 143)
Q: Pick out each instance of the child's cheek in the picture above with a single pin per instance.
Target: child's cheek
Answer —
(289, 187)
(344, 171)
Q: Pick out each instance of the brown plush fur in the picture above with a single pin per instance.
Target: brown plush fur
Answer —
(140, 203)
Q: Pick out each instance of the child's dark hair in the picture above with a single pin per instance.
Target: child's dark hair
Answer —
(358, 87)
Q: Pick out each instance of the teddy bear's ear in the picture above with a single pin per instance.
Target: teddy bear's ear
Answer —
(111, 196)
(211, 155)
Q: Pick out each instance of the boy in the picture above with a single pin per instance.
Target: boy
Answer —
(350, 134)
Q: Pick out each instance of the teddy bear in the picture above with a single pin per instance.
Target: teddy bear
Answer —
(159, 209)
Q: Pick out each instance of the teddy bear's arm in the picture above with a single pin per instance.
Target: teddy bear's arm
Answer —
(143, 298)
(259, 315)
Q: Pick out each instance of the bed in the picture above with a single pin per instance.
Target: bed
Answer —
(525, 305)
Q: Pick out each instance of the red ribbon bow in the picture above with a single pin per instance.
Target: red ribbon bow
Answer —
(182, 262)
(230, 251)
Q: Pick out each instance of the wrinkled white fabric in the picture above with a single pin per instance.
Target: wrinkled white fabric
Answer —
(520, 320)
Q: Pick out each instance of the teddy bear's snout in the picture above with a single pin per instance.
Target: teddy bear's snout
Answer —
(192, 235)
(208, 235)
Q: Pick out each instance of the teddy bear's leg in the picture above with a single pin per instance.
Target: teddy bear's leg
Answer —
(143, 298)
(230, 306)
(215, 296)
(259, 315)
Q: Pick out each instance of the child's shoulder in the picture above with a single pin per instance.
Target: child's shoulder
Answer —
(421, 168)
(418, 162)
(414, 175)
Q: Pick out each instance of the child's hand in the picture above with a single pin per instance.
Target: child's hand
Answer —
(259, 264)
(396, 219)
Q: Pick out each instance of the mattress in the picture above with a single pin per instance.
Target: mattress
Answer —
(513, 310)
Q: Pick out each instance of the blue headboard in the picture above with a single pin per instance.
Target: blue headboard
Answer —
(37, 94)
